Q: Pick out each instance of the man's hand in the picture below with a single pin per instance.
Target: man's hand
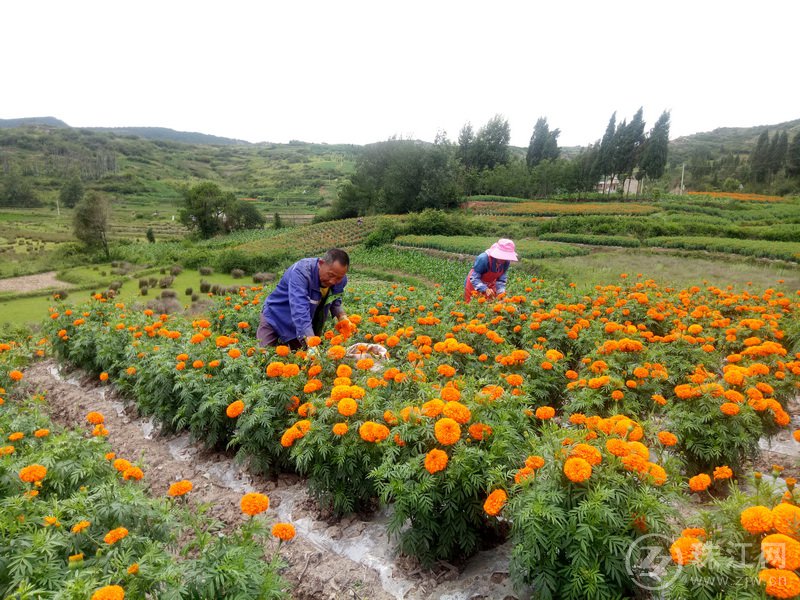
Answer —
(489, 293)
(312, 353)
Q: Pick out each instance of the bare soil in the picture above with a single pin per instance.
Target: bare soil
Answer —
(351, 558)
(31, 283)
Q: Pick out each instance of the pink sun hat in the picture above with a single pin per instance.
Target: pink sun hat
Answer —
(503, 249)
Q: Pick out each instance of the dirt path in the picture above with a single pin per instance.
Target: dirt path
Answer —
(351, 559)
(31, 283)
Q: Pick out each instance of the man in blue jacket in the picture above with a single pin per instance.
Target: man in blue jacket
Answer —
(307, 293)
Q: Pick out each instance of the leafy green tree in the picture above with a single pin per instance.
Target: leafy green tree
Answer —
(543, 144)
(17, 191)
(491, 143)
(654, 154)
(793, 157)
(466, 146)
(400, 176)
(90, 221)
(205, 208)
(242, 215)
(71, 192)
(277, 223)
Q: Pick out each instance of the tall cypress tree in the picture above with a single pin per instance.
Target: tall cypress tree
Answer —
(605, 156)
(777, 152)
(759, 160)
(654, 155)
(793, 157)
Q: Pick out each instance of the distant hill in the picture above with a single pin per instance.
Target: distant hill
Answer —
(724, 140)
(46, 121)
(165, 134)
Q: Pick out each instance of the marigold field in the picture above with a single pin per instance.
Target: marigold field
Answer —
(570, 423)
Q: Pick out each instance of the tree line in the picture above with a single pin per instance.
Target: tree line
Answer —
(399, 176)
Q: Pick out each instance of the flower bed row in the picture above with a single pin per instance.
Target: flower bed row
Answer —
(576, 419)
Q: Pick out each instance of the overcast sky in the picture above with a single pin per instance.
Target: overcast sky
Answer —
(360, 72)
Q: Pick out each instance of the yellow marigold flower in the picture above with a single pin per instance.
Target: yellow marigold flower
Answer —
(179, 488)
(447, 431)
(700, 482)
(80, 526)
(115, 535)
(254, 503)
(781, 583)
(686, 550)
(76, 557)
(283, 531)
(234, 409)
(32, 473)
(109, 592)
(577, 469)
(495, 502)
(51, 521)
(435, 461)
(457, 411)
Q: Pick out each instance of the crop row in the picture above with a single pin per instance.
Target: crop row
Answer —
(474, 245)
(532, 208)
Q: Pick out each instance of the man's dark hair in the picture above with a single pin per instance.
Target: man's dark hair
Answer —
(336, 255)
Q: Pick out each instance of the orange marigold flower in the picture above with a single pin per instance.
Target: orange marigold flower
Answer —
(80, 526)
(457, 412)
(32, 473)
(283, 531)
(133, 473)
(432, 408)
(40, 433)
(545, 412)
(179, 488)
(234, 409)
(133, 569)
(781, 583)
(478, 431)
(435, 461)
(495, 502)
(347, 407)
(786, 519)
(446, 370)
(450, 394)
(577, 469)
(587, 452)
(695, 532)
(275, 369)
(730, 409)
(115, 535)
(514, 380)
(103, 376)
(254, 503)
(686, 550)
(781, 551)
(373, 432)
(340, 429)
(534, 462)
(723, 472)
(15, 375)
(336, 352)
(447, 431)
(313, 341)
(700, 482)
(121, 465)
(667, 438)
(109, 592)
(282, 351)
(95, 418)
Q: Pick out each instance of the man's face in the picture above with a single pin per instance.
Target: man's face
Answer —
(331, 273)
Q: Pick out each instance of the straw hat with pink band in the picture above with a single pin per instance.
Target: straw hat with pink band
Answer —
(503, 249)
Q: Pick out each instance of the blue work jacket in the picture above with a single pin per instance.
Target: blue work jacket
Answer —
(290, 308)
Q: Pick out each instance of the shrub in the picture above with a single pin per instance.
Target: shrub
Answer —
(237, 273)
(206, 271)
